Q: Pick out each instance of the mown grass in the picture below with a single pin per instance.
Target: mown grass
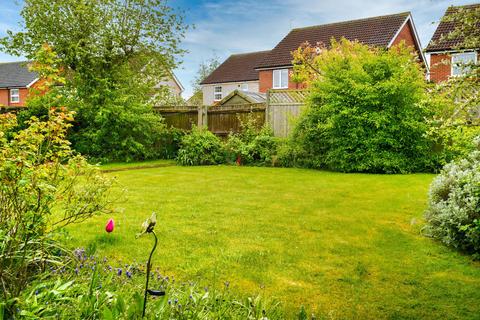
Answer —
(344, 245)
(118, 166)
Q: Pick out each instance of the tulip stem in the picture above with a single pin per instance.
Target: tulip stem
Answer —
(149, 267)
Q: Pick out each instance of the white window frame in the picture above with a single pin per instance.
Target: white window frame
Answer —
(244, 87)
(282, 83)
(15, 97)
(217, 94)
(453, 63)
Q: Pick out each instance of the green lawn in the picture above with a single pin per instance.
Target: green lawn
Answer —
(343, 245)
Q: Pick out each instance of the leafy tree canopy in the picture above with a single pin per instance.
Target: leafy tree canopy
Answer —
(112, 53)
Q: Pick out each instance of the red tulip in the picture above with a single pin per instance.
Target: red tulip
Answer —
(110, 225)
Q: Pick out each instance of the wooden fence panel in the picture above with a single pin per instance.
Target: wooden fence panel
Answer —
(223, 120)
(281, 118)
(283, 107)
(181, 117)
(280, 110)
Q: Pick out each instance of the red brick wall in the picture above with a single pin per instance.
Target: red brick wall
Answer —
(5, 97)
(24, 94)
(266, 80)
(407, 35)
(440, 68)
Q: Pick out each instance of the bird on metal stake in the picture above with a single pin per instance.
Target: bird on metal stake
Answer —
(148, 227)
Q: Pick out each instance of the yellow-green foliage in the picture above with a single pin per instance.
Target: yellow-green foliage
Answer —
(364, 112)
(44, 186)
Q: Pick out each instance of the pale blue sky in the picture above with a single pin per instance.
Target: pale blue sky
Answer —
(231, 26)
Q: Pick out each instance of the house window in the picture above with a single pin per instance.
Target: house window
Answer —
(244, 87)
(14, 95)
(461, 62)
(280, 79)
(217, 93)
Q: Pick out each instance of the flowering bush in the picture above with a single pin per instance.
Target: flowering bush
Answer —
(453, 214)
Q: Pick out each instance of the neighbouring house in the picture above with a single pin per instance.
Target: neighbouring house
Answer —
(15, 82)
(236, 73)
(383, 31)
(174, 85)
(446, 54)
(261, 71)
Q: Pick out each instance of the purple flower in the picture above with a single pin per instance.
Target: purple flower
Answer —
(176, 301)
(76, 271)
(119, 271)
(36, 292)
(169, 301)
(129, 274)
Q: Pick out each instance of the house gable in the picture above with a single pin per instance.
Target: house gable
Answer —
(441, 47)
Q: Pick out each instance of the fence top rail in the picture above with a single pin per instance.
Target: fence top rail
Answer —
(239, 107)
(173, 107)
(287, 96)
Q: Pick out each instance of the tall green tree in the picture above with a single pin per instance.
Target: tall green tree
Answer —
(112, 53)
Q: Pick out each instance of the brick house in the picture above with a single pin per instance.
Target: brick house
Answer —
(236, 73)
(446, 57)
(15, 82)
(384, 31)
(261, 71)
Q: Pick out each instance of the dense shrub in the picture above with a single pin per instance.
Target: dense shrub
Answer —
(453, 214)
(200, 147)
(252, 145)
(122, 130)
(364, 112)
(168, 143)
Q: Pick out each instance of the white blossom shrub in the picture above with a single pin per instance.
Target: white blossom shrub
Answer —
(453, 214)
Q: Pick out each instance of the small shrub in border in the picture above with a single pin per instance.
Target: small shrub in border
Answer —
(252, 145)
(200, 147)
(453, 214)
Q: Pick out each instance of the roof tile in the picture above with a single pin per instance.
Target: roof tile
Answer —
(440, 40)
(15, 75)
(238, 67)
(375, 31)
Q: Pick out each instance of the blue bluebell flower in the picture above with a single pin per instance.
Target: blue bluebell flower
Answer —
(119, 271)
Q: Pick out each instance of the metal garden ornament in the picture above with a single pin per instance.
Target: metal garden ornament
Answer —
(148, 227)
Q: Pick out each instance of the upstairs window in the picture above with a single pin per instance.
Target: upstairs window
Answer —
(244, 87)
(461, 62)
(14, 95)
(280, 79)
(217, 93)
